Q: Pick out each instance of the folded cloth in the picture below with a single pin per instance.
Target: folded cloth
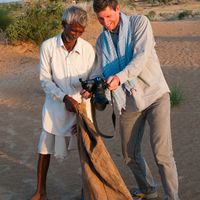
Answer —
(100, 176)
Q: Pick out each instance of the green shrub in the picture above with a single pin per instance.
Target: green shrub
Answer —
(79, 1)
(159, 1)
(151, 15)
(128, 3)
(176, 95)
(39, 22)
(5, 19)
(3, 37)
(184, 14)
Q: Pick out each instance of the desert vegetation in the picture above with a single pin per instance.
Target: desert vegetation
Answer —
(35, 21)
(176, 95)
(38, 20)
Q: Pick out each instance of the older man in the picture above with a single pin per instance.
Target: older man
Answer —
(63, 60)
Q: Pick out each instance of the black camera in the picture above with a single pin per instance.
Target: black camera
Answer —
(97, 87)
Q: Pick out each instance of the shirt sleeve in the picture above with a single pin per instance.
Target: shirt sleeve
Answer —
(144, 43)
(47, 83)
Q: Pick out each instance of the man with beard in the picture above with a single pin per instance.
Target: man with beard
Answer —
(63, 60)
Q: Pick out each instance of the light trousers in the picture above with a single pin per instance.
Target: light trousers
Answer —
(132, 126)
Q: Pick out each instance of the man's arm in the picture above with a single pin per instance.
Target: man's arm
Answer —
(95, 71)
(46, 79)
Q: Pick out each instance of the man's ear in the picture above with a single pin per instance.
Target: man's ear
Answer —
(118, 8)
(63, 24)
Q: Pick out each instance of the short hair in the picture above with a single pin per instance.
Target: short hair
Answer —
(100, 5)
(74, 15)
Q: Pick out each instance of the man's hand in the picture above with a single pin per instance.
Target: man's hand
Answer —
(70, 103)
(113, 82)
(85, 94)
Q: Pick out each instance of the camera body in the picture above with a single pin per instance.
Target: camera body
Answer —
(97, 87)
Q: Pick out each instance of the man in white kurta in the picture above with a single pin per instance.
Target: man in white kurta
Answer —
(63, 60)
(59, 75)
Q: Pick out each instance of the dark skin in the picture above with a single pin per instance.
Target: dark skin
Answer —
(42, 169)
(70, 34)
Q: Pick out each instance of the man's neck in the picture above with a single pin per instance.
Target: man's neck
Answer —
(68, 45)
(116, 30)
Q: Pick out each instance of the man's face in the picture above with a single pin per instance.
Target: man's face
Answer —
(109, 18)
(72, 32)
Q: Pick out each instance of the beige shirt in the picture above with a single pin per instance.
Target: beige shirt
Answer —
(60, 71)
(144, 68)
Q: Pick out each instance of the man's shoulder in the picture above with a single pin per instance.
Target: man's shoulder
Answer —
(138, 22)
(50, 42)
(138, 18)
(101, 36)
(85, 44)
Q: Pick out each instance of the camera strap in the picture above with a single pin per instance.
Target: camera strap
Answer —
(95, 121)
(113, 114)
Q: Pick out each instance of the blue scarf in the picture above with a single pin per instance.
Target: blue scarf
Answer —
(115, 60)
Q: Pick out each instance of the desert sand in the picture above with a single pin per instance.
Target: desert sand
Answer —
(21, 99)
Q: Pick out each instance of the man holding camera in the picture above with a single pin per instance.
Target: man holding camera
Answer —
(63, 60)
(127, 59)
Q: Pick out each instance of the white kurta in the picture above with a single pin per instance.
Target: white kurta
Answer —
(59, 75)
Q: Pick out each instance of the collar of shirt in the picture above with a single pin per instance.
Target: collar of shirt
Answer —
(116, 30)
(77, 47)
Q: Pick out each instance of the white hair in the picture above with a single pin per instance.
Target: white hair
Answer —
(75, 14)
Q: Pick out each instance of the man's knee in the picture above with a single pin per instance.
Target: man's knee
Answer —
(131, 158)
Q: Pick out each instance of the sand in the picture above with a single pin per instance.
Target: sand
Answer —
(21, 99)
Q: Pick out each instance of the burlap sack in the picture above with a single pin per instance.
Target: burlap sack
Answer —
(101, 178)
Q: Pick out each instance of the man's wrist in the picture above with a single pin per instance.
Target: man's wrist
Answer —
(117, 78)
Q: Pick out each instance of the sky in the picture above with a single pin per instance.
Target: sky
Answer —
(6, 1)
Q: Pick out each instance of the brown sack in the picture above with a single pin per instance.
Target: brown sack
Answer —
(101, 178)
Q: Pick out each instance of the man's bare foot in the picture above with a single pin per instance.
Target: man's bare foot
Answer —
(38, 196)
